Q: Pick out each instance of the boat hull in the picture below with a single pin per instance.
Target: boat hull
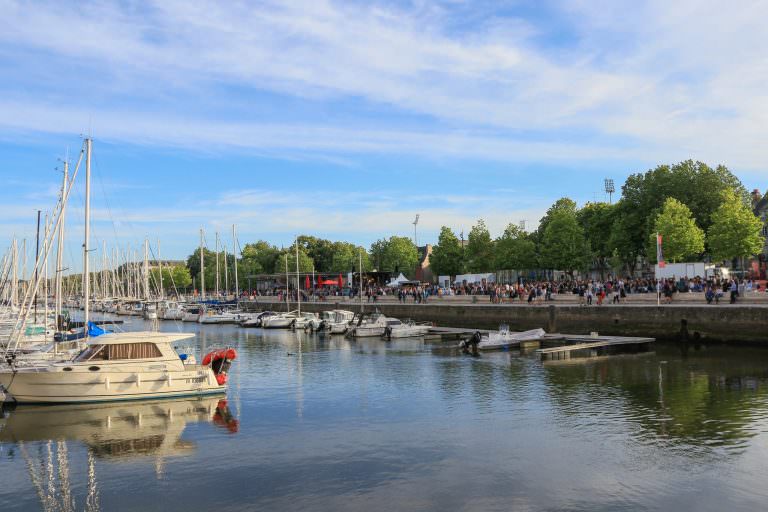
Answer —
(29, 386)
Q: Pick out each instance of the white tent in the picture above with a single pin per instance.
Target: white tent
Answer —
(475, 278)
(397, 281)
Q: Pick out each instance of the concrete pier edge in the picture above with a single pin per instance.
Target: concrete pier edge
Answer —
(705, 323)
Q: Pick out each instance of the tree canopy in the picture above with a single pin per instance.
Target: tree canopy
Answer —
(395, 254)
(735, 230)
(515, 250)
(682, 239)
(563, 245)
(479, 251)
(447, 255)
(597, 220)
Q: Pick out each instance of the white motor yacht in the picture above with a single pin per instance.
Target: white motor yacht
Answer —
(120, 366)
(337, 321)
(192, 313)
(397, 329)
(366, 327)
(279, 321)
(173, 311)
(306, 319)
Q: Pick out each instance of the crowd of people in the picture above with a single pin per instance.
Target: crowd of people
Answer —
(589, 291)
(613, 291)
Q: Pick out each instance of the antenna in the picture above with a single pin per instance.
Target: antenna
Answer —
(609, 189)
(415, 223)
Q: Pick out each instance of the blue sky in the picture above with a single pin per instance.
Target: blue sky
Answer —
(345, 119)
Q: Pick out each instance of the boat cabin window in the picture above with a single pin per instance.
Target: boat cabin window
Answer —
(119, 351)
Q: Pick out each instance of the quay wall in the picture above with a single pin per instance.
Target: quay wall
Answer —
(708, 323)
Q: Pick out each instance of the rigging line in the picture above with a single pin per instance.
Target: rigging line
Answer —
(97, 166)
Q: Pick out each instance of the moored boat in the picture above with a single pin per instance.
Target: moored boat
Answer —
(120, 366)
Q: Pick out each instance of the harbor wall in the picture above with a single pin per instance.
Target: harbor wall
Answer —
(708, 323)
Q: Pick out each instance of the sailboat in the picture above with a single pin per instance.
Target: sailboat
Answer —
(288, 319)
(116, 366)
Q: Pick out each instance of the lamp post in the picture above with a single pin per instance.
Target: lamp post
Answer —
(415, 238)
(609, 189)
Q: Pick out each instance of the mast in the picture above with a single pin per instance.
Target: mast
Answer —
(15, 270)
(217, 264)
(37, 255)
(60, 249)
(202, 267)
(226, 271)
(234, 251)
(160, 264)
(24, 264)
(287, 302)
(298, 287)
(145, 269)
(361, 281)
(87, 243)
(104, 273)
(46, 289)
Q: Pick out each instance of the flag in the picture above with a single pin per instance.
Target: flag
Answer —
(659, 254)
(306, 282)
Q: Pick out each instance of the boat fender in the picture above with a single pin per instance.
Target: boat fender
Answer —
(388, 332)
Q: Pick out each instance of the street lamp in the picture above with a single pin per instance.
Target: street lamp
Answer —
(415, 223)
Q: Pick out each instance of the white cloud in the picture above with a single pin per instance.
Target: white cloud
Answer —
(652, 81)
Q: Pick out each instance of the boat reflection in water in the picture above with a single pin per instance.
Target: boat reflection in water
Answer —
(114, 431)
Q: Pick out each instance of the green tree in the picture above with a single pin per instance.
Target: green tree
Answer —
(447, 257)
(346, 258)
(514, 250)
(694, 184)
(597, 219)
(479, 252)
(321, 251)
(175, 278)
(682, 239)
(288, 255)
(395, 254)
(563, 245)
(564, 204)
(735, 230)
(193, 265)
(622, 240)
(257, 258)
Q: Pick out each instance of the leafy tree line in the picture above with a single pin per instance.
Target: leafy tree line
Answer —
(395, 254)
(699, 211)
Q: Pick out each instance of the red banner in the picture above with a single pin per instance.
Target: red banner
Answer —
(659, 253)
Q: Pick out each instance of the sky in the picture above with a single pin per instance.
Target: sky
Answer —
(344, 120)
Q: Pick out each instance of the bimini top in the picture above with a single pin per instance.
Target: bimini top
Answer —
(139, 337)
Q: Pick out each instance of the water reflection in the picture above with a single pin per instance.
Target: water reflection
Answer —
(713, 397)
(335, 424)
(44, 436)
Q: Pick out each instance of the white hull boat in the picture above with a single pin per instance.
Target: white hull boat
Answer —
(121, 366)
(397, 329)
(279, 321)
(504, 339)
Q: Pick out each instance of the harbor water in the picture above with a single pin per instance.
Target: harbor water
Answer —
(313, 422)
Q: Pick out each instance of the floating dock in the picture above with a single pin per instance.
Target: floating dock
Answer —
(590, 346)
